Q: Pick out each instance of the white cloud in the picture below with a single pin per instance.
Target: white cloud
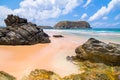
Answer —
(105, 18)
(84, 16)
(105, 10)
(71, 4)
(4, 11)
(75, 15)
(87, 3)
(117, 17)
(38, 10)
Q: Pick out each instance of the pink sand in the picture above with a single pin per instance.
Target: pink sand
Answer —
(20, 60)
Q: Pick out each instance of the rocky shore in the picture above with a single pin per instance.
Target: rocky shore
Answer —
(95, 59)
(93, 66)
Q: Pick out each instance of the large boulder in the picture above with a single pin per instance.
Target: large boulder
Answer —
(72, 25)
(21, 32)
(6, 76)
(97, 51)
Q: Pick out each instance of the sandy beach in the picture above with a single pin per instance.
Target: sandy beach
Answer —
(20, 60)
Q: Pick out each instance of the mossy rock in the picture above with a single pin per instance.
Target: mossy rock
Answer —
(6, 76)
(89, 76)
(40, 74)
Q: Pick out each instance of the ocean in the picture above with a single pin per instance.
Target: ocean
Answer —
(107, 34)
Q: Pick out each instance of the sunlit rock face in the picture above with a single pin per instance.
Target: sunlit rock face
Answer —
(98, 51)
(6, 76)
(21, 32)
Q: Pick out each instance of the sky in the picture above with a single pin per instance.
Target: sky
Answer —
(99, 13)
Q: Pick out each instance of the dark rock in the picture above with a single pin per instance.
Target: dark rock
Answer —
(14, 20)
(57, 36)
(46, 27)
(6, 76)
(72, 25)
(21, 32)
(98, 51)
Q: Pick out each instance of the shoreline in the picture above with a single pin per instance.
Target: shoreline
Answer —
(20, 60)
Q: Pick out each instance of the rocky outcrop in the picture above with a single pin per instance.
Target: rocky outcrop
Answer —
(97, 51)
(72, 25)
(40, 74)
(46, 27)
(21, 32)
(6, 76)
(14, 20)
(58, 36)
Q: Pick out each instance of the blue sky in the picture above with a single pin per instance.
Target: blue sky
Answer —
(99, 13)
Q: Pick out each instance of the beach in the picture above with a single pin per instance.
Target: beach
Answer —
(20, 60)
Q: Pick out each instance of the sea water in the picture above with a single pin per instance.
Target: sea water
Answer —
(108, 34)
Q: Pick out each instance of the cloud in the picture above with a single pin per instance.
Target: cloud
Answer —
(40, 10)
(70, 6)
(75, 15)
(105, 18)
(117, 17)
(87, 3)
(4, 11)
(84, 16)
(104, 10)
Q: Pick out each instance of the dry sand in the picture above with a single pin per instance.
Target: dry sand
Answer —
(20, 60)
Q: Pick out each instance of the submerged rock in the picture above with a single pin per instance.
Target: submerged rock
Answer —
(21, 32)
(6, 76)
(97, 51)
(72, 25)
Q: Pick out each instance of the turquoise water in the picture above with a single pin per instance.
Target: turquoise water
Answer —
(112, 35)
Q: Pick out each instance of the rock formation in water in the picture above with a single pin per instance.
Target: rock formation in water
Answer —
(98, 51)
(21, 32)
(72, 25)
(45, 27)
(6, 76)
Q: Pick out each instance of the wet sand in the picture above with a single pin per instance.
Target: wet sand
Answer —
(20, 60)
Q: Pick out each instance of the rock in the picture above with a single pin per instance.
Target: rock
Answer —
(72, 25)
(21, 32)
(97, 51)
(57, 36)
(40, 74)
(46, 27)
(89, 76)
(14, 20)
(6, 76)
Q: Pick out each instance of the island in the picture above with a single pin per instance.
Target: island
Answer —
(72, 25)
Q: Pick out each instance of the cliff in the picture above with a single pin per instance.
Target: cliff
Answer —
(72, 25)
